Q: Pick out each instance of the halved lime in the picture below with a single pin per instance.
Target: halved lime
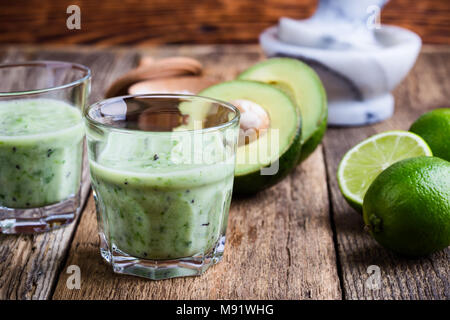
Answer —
(365, 161)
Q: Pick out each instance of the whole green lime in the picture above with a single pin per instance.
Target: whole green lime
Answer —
(407, 207)
(434, 128)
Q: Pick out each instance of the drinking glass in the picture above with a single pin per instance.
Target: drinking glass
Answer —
(162, 170)
(41, 144)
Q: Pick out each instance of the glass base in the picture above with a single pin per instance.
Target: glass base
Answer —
(15, 221)
(160, 269)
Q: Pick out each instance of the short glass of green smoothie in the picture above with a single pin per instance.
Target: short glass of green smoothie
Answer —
(41, 144)
(162, 171)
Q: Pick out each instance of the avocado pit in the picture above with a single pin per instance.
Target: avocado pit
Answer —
(254, 120)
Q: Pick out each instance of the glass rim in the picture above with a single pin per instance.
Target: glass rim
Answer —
(35, 63)
(219, 127)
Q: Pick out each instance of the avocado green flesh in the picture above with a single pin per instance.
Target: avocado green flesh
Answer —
(283, 145)
(304, 87)
(254, 182)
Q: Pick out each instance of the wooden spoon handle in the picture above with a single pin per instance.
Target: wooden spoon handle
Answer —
(168, 67)
(146, 60)
(179, 84)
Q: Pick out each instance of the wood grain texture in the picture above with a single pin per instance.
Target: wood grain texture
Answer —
(128, 22)
(425, 88)
(30, 264)
(276, 242)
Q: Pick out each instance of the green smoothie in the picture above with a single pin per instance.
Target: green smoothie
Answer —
(40, 152)
(153, 205)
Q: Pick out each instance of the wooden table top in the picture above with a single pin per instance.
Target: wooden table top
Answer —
(296, 240)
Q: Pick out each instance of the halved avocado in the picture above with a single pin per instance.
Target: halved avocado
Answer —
(283, 115)
(301, 83)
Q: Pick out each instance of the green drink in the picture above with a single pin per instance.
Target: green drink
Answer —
(162, 203)
(41, 144)
(40, 152)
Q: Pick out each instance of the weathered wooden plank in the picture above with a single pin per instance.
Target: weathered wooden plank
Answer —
(425, 88)
(29, 264)
(128, 22)
(277, 240)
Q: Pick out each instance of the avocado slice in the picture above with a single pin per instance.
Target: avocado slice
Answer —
(272, 147)
(302, 84)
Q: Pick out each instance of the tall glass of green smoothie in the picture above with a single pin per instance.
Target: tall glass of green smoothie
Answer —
(41, 144)
(162, 170)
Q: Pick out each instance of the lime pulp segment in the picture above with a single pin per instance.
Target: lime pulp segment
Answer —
(364, 162)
